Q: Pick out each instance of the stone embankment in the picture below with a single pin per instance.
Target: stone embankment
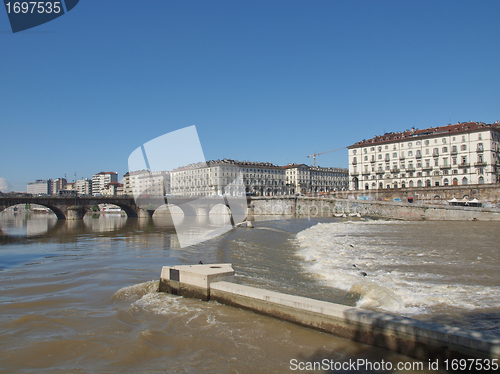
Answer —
(300, 206)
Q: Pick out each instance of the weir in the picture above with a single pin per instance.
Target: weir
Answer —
(418, 339)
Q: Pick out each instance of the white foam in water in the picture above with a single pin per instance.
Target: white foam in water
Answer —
(394, 281)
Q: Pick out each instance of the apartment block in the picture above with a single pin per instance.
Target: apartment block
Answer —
(460, 154)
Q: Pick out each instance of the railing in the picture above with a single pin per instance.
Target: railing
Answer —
(480, 164)
(464, 165)
(445, 167)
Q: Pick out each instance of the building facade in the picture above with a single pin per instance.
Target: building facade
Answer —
(113, 189)
(58, 184)
(40, 187)
(231, 177)
(460, 154)
(314, 179)
(156, 183)
(101, 180)
(84, 187)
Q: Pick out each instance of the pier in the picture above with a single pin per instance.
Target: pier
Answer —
(418, 339)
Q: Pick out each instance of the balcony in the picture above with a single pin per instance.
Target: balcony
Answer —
(454, 151)
(435, 154)
(394, 170)
(372, 160)
(442, 167)
(410, 169)
(354, 162)
(479, 149)
(418, 155)
(380, 172)
(366, 173)
(426, 168)
(402, 157)
(481, 164)
(464, 165)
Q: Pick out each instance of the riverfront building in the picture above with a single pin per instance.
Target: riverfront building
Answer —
(314, 179)
(84, 187)
(101, 180)
(230, 177)
(40, 187)
(460, 154)
(156, 183)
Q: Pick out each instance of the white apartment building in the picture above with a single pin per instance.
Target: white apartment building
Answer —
(156, 183)
(314, 179)
(460, 154)
(230, 177)
(84, 187)
(40, 187)
(101, 180)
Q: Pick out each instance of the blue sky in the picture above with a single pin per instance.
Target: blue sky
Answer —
(261, 80)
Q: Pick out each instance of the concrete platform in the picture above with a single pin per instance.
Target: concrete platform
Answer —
(194, 280)
(414, 338)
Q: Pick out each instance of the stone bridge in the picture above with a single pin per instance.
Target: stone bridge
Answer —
(66, 207)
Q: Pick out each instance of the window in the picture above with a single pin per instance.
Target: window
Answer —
(427, 151)
(409, 144)
(419, 153)
(380, 156)
(366, 158)
(444, 140)
(445, 149)
(354, 151)
(445, 161)
(387, 156)
(463, 147)
(454, 160)
(481, 180)
(394, 155)
(464, 181)
(464, 160)
(379, 148)
(410, 153)
(446, 181)
(479, 147)
(418, 142)
(372, 149)
(365, 150)
(426, 142)
(463, 138)
(436, 162)
(386, 147)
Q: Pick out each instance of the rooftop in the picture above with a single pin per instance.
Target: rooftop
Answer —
(458, 128)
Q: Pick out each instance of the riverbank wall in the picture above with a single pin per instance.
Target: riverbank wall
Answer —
(298, 207)
(417, 339)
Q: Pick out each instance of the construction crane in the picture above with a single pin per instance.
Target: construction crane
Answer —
(322, 153)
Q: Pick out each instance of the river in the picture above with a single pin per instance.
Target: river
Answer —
(80, 296)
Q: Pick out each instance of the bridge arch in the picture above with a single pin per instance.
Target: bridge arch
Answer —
(60, 214)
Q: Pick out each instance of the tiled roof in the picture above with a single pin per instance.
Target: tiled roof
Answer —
(458, 128)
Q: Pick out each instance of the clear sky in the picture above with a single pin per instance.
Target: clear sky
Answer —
(261, 80)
